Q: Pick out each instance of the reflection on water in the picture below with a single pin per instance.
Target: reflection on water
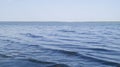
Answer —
(60, 45)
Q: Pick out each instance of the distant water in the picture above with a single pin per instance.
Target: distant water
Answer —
(59, 44)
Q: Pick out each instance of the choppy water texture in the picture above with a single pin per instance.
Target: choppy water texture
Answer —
(59, 44)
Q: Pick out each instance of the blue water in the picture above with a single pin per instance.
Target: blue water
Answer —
(62, 44)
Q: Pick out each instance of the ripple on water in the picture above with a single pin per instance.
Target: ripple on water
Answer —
(63, 46)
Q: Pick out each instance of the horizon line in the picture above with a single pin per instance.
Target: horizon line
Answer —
(59, 21)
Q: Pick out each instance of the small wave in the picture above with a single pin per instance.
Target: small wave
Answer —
(32, 35)
(70, 31)
(101, 60)
(10, 41)
(64, 52)
(70, 40)
(86, 33)
(49, 40)
(85, 56)
(38, 61)
(50, 64)
(116, 38)
(112, 50)
(67, 52)
(4, 56)
(58, 35)
(108, 33)
(92, 42)
(36, 46)
(59, 65)
(99, 49)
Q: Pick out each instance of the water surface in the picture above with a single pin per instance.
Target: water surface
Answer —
(59, 44)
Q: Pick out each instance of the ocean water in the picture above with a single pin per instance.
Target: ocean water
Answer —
(62, 44)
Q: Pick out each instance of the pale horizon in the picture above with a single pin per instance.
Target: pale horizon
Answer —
(60, 10)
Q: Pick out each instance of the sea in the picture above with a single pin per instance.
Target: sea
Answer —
(59, 44)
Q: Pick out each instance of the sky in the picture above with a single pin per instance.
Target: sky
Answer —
(59, 10)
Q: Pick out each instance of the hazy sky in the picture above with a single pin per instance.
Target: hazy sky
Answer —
(59, 10)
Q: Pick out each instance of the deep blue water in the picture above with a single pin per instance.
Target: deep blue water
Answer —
(60, 44)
